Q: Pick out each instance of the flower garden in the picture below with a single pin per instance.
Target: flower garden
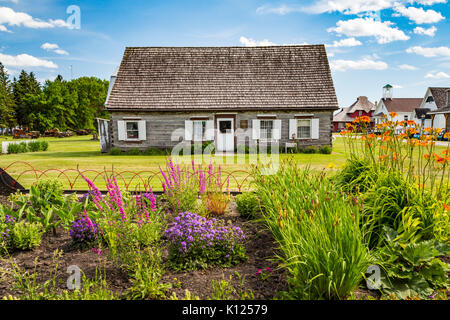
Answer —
(376, 228)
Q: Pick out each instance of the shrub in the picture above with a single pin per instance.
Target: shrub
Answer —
(308, 149)
(154, 152)
(196, 242)
(317, 229)
(133, 152)
(44, 145)
(115, 152)
(247, 205)
(23, 147)
(34, 146)
(84, 231)
(26, 235)
(325, 149)
(13, 148)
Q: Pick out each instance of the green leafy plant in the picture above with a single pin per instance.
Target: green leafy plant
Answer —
(44, 145)
(413, 269)
(115, 152)
(34, 146)
(248, 205)
(26, 235)
(396, 203)
(317, 229)
(325, 149)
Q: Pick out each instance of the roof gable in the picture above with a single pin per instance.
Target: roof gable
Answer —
(179, 78)
(402, 104)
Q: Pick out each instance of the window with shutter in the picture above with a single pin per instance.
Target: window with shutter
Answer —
(304, 128)
(132, 130)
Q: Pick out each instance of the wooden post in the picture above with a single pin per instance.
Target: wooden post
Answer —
(432, 120)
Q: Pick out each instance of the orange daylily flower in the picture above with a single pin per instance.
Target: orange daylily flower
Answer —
(446, 151)
(386, 138)
(427, 156)
(383, 157)
(446, 207)
(393, 114)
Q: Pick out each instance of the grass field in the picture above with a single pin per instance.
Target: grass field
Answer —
(81, 152)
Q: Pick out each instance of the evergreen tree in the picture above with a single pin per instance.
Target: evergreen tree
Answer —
(7, 115)
(24, 86)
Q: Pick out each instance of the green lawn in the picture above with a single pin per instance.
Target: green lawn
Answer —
(83, 153)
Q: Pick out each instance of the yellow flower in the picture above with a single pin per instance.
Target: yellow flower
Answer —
(331, 165)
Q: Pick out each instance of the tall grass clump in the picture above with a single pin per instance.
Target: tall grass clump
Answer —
(317, 229)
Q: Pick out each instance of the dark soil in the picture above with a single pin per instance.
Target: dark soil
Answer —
(259, 244)
(261, 249)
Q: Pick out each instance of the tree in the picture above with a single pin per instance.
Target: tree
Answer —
(7, 115)
(25, 85)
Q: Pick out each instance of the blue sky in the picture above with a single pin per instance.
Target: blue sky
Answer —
(370, 43)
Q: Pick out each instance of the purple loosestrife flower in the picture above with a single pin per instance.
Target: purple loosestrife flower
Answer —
(116, 196)
(95, 192)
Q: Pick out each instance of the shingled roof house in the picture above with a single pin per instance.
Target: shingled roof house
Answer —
(434, 110)
(162, 96)
(403, 107)
(361, 107)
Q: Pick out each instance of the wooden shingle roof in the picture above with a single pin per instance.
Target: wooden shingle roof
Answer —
(223, 78)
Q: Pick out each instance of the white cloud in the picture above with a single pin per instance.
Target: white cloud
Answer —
(248, 42)
(419, 15)
(368, 27)
(53, 47)
(25, 60)
(349, 6)
(281, 10)
(366, 63)
(430, 52)
(407, 67)
(397, 86)
(349, 42)
(437, 75)
(428, 2)
(11, 18)
(427, 32)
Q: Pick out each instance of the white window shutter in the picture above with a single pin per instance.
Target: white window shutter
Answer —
(121, 130)
(292, 128)
(315, 128)
(255, 129)
(188, 130)
(142, 130)
(209, 134)
(277, 129)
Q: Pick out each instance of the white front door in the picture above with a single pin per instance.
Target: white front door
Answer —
(225, 134)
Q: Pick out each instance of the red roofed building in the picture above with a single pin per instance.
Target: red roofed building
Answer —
(361, 107)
